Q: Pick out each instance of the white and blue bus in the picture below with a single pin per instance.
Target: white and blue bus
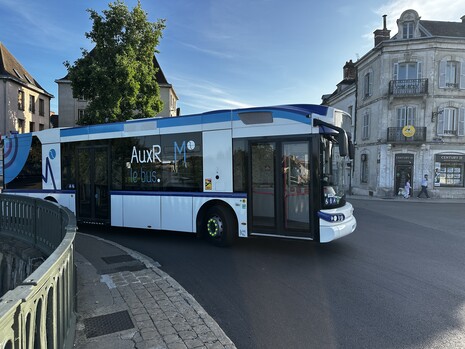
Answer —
(271, 171)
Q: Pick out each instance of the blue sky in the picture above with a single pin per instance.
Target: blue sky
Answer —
(221, 53)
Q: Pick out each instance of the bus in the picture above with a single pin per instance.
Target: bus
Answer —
(263, 171)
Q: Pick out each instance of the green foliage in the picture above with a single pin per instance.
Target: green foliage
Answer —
(118, 75)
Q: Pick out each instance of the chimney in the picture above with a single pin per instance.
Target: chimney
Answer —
(349, 70)
(382, 34)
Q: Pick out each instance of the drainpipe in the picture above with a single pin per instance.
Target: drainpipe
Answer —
(4, 107)
(354, 140)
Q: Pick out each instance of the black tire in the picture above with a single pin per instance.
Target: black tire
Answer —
(220, 226)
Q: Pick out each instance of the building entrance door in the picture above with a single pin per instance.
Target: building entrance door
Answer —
(93, 199)
(403, 171)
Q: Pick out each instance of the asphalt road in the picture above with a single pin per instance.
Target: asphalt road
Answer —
(397, 282)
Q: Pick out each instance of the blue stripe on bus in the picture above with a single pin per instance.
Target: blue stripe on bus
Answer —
(104, 128)
(224, 116)
(179, 193)
(135, 193)
(40, 191)
(179, 121)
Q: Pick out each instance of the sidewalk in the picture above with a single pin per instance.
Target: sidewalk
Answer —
(125, 301)
(414, 198)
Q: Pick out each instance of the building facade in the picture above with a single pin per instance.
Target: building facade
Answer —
(410, 109)
(71, 109)
(343, 98)
(24, 104)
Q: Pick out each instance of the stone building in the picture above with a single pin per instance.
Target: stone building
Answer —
(24, 104)
(70, 109)
(410, 109)
(343, 98)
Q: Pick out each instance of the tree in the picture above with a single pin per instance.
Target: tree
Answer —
(118, 75)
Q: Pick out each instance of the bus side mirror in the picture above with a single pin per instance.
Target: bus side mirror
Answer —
(342, 137)
(351, 150)
(343, 144)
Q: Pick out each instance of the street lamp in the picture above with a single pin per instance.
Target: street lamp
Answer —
(434, 114)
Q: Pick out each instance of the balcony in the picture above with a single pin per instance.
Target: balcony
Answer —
(394, 135)
(410, 87)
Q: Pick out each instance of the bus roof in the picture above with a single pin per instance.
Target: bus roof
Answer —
(303, 109)
(220, 116)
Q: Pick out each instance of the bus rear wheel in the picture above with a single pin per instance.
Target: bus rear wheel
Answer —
(219, 225)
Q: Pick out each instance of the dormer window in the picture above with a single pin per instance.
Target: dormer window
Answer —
(407, 30)
(408, 25)
(17, 73)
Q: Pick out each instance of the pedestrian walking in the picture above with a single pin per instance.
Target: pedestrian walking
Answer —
(424, 187)
(407, 189)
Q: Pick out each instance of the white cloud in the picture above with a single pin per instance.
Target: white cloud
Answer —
(432, 10)
(438, 10)
(203, 95)
(207, 51)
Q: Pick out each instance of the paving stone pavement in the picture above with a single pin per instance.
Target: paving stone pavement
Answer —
(140, 307)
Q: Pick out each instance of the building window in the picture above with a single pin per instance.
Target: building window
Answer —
(367, 84)
(407, 71)
(41, 127)
(364, 168)
(41, 107)
(31, 127)
(20, 126)
(20, 100)
(407, 30)
(406, 116)
(451, 122)
(366, 126)
(449, 170)
(32, 104)
(451, 74)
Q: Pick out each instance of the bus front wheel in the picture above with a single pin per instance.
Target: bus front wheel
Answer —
(219, 226)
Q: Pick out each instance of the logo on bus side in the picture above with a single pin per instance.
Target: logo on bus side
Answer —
(143, 156)
(153, 155)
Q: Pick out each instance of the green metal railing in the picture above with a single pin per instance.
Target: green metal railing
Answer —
(40, 313)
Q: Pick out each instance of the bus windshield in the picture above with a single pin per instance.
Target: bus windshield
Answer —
(333, 175)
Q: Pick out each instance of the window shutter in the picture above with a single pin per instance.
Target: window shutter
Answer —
(400, 119)
(441, 124)
(395, 71)
(370, 84)
(411, 116)
(366, 126)
(418, 70)
(442, 74)
(461, 125)
(462, 75)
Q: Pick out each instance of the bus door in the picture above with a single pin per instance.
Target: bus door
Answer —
(93, 192)
(280, 189)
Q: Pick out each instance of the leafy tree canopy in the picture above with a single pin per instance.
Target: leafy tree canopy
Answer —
(117, 76)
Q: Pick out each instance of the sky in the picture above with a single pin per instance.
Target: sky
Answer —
(221, 54)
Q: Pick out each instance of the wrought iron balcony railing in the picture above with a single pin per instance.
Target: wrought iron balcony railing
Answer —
(395, 135)
(408, 87)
